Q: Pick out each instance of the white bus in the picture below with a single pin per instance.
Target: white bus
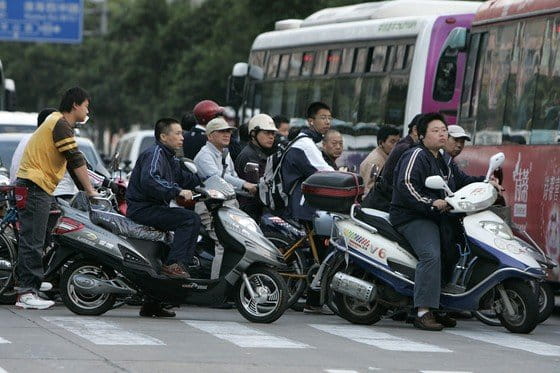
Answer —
(373, 63)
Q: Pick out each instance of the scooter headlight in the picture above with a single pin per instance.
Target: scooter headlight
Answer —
(467, 206)
(245, 222)
(499, 229)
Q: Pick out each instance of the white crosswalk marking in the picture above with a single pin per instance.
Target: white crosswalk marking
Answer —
(2, 340)
(381, 340)
(442, 371)
(510, 340)
(102, 332)
(243, 336)
(2, 370)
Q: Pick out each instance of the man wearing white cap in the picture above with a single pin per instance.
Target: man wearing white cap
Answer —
(456, 140)
(262, 132)
(212, 159)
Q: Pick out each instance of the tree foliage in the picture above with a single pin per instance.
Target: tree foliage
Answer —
(158, 59)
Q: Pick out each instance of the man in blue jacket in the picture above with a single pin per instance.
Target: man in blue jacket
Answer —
(302, 160)
(417, 212)
(158, 178)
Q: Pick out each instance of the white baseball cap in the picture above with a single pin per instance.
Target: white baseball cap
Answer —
(217, 124)
(457, 132)
(261, 122)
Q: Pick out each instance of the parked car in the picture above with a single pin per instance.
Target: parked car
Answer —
(17, 122)
(10, 141)
(131, 145)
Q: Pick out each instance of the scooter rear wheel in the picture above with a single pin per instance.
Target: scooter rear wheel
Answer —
(525, 305)
(354, 310)
(82, 303)
(270, 295)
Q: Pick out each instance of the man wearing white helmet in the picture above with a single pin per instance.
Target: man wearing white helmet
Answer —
(262, 132)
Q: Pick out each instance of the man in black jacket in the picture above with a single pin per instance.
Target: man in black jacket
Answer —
(417, 213)
(157, 178)
(263, 133)
(380, 197)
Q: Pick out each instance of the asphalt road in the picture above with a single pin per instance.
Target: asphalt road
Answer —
(211, 340)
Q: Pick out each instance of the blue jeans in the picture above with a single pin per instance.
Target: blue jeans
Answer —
(33, 220)
(423, 235)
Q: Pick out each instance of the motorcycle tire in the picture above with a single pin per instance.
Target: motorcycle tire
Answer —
(8, 256)
(546, 307)
(296, 265)
(525, 304)
(546, 302)
(354, 310)
(271, 295)
(82, 303)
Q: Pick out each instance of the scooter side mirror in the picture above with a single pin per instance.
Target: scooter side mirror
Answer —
(496, 161)
(251, 171)
(437, 182)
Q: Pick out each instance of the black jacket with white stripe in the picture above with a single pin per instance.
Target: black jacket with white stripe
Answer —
(411, 199)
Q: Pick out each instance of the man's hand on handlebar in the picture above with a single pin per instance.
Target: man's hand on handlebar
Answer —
(186, 194)
(441, 205)
(250, 187)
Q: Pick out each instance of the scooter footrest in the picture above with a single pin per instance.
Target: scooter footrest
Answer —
(453, 289)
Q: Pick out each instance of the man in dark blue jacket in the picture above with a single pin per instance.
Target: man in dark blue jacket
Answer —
(157, 178)
(417, 212)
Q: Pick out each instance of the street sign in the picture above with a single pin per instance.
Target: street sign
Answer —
(47, 21)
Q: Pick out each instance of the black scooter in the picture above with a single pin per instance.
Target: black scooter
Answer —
(107, 258)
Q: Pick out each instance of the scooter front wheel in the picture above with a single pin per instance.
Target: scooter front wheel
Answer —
(262, 296)
(524, 303)
(82, 303)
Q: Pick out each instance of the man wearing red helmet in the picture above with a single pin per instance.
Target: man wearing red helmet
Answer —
(195, 139)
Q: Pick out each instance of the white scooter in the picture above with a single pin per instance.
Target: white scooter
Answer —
(374, 274)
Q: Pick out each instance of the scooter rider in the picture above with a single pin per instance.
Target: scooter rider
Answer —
(214, 159)
(157, 178)
(416, 213)
(262, 131)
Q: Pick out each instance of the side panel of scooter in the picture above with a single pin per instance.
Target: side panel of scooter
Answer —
(275, 224)
(508, 251)
(374, 246)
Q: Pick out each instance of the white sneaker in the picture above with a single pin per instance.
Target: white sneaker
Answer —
(32, 301)
(45, 286)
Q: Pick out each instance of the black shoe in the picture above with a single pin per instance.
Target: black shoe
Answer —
(427, 322)
(155, 310)
(445, 320)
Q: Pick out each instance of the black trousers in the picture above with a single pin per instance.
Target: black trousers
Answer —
(184, 223)
(33, 220)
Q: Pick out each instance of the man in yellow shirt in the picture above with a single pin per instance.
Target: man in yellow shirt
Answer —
(51, 150)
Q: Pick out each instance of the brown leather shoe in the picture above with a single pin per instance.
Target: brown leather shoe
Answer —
(176, 271)
(445, 320)
(427, 322)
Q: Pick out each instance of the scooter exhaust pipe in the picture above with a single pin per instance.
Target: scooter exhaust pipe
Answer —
(94, 286)
(354, 287)
(5, 265)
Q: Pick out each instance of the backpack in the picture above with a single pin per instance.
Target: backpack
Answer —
(271, 190)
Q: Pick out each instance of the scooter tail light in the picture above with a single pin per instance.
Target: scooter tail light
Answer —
(67, 225)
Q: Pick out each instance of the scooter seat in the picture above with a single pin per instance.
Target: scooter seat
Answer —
(380, 221)
(123, 226)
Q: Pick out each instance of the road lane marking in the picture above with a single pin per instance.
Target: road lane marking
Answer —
(340, 371)
(381, 340)
(2, 370)
(102, 332)
(2, 340)
(243, 336)
(510, 340)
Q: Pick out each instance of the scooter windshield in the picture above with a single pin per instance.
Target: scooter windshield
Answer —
(218, 184)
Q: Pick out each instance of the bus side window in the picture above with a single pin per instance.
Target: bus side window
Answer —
(273, 66)
(546, 117)
(446, 76)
